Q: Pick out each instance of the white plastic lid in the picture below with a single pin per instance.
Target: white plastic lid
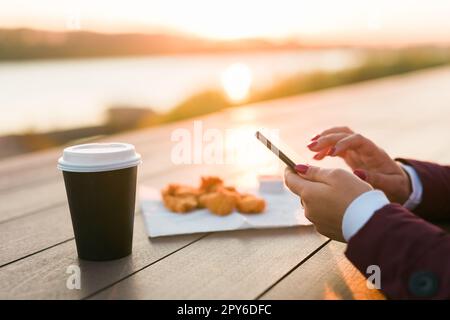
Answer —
(96, 157)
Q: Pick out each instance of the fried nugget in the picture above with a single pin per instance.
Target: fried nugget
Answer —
(250, 204)
(231, 191)
(180, 190)
(180, 204)
(221, 203)
(210, 184)
(230, 188)
(212, 194)
(180, 198)
(202, 199)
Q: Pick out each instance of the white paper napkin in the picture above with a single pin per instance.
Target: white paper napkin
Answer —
(282, 210)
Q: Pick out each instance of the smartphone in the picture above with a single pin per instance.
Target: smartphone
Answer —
(280, 154)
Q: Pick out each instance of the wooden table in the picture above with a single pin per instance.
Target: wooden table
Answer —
(407, 115)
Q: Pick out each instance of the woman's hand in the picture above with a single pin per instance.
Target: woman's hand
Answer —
(366, 159)
(325, 194)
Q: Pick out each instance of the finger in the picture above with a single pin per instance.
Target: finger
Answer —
(327, 141)
(312, 173)
(337, 130)
(351, 142)
(295, 183)
(362, 174)
(321, 154)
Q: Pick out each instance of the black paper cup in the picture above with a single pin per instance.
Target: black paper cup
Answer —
(100, 182)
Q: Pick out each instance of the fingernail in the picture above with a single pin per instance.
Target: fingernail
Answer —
(301, 168)
(331, 152)
(317, 136)
(312, 144)
(317, 156)
(361, 174)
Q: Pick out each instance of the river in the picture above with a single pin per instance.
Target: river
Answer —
(57, 94)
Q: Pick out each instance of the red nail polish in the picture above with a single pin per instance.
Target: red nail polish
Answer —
(361, 174)
(301, 168)
(317, 156)
(317, 136)
(312, 144)
(331, 152)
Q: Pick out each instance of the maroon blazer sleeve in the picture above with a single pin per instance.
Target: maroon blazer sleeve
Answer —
(435, 204)
(413, 255)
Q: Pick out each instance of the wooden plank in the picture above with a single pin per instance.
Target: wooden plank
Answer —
(230, 265)
(23, 170)
(54, 184)
(20, 171)
(50, 262)
(28, 234)
(19, 203)
(51, 193)
(326, 275)
(43, 275)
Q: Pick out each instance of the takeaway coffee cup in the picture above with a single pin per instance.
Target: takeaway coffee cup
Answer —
(100, 180)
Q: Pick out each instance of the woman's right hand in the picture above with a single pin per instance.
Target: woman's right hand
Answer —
(369, 162)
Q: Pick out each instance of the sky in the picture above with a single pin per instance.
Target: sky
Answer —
(313, 21)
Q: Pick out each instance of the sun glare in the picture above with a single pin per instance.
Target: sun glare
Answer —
(236, 81)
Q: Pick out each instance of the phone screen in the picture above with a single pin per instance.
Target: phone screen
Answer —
(281, 155)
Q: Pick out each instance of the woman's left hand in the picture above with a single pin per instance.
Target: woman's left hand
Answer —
(325, 194)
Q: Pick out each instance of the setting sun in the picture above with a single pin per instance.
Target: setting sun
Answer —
(236, 81)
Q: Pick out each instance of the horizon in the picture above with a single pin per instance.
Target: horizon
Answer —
(348, 22)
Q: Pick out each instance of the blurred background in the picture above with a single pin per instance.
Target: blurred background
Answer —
(72, 70)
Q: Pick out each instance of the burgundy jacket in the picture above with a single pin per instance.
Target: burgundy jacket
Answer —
(412, 253)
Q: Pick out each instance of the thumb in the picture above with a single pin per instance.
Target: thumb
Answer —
(312, 173)
(295, 182)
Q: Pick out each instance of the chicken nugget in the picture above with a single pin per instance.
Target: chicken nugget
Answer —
(180, 198)
(202, 199)
(187, 191)
(231, 191)
(210, 184)
(180, 204)
(230, 188)
(169, 190)
(174, 189)
(221, 203)
(250, 204)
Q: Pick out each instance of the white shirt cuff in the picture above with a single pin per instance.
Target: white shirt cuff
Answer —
(361, 210)
(416, 185)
